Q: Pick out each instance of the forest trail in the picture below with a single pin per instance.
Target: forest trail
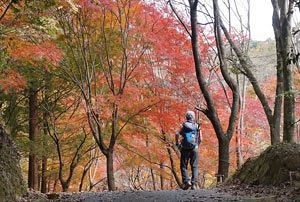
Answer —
(163, 196)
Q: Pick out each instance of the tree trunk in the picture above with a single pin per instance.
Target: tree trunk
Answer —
(238, 150)
(162, 179)
(223, 159)
(84, 173)
(110, 171)
(44, 175)
(172, 161)
(33, 133)
(240, 126)
(153, 179)
(224, 138)
(282, 15)
(44, 159)
(151, 169)
(289, 96)
(211, 111)
(65, 186)
(174, 170)
(289, 106)
(55, 183)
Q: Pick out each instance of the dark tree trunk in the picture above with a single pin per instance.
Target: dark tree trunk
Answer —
(275, 126)
(33, 133)
(110, 151)
(84, 173)
(210, 112)
(223, 159)
(44, 175)
(44, 159)
(110, 171)
(65, 186)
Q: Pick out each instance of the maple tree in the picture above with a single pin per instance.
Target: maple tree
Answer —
(103, 57)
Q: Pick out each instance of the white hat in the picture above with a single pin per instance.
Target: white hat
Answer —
(190, 115)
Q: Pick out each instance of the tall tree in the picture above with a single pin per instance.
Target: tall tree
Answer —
(224, 136)
(33, 172)
(282, 30)
(282, 24)
(103, 55)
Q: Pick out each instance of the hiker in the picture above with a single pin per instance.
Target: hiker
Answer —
(191, 138)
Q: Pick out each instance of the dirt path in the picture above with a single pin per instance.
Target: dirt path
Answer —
(163, 196)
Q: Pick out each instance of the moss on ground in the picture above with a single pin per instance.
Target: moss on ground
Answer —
(11, 182)
(273, 167)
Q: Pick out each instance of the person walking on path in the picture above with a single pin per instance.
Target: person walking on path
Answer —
(188, 146)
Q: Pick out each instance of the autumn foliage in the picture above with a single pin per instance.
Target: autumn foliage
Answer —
(114, 76)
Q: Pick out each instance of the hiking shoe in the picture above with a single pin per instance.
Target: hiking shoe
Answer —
(186, 185)
(194, 187)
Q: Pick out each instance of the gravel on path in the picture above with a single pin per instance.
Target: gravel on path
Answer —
(158, 196)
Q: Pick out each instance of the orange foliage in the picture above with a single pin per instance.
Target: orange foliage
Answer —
(11, 80)
(35, 53)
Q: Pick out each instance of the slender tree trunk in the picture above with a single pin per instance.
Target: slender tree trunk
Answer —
(172, 161)
(174, 170)
(84, 173)
(162, 179)
(45, 133)
(55, 184)
(82, 180)
(241, 123)
(153, 179)
(33, 133)
(240, 126)
(238, 150)
(151, 170)
(49, 184)
(44, 175)
(298, 133)
(110, 171)
(65, 186)
(171, 183)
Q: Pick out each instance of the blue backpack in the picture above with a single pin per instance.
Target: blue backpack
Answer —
(190, 139)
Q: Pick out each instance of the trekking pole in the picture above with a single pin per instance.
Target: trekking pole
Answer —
(198, 115)
(198, 109)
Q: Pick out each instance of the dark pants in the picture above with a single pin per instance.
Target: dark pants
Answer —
(189, 156)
